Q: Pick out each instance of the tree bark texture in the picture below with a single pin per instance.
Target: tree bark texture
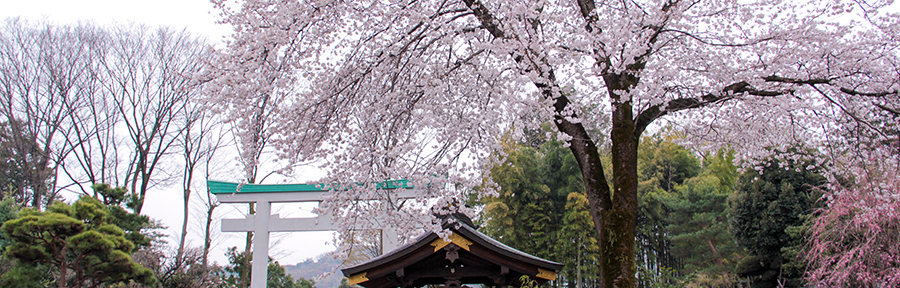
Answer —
(614, 213)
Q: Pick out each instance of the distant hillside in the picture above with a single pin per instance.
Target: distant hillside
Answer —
(313, 268)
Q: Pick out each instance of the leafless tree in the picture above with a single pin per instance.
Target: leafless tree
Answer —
(94, 139)
(97, 104)
(198, 143)
(42, 68)
(209, 202)
(151, 76)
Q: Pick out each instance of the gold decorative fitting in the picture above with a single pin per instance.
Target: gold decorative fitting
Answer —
(546, 274)
(457, 239)
(358, 278)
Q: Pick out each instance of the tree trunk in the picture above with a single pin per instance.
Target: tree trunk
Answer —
(145, 185)
(618, 222)
(62, 269)
(207, 238)
(614, 213)
(41, 175)
(184, 223)
(578, 283)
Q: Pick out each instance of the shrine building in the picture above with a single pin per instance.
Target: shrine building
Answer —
(466, 256)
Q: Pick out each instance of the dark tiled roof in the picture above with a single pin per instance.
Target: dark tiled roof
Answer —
(504, 255)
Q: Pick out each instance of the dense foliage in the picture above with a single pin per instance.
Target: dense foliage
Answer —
(683, 223)
(683, 234)
(767, 206)
(9, 210)
(703, 224)
(541, 211)
(276, 275)
(80, 242)
(662, 165)
(94, 243)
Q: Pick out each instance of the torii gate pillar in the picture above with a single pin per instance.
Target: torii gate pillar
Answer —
(264, 222)
(259, 266)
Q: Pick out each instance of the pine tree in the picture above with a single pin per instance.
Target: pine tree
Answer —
(79, 241)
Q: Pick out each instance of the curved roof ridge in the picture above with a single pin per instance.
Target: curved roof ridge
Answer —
(466, 231)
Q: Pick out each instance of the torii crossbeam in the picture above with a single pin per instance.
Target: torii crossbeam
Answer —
(263, 195)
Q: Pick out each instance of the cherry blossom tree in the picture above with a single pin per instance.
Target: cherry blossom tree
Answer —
(853, 240)
(250, 79)
(423, 90)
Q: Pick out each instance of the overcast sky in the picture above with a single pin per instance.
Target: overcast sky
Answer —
(199, 17)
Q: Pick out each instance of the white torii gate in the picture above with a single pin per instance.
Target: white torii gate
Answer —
(263, 222)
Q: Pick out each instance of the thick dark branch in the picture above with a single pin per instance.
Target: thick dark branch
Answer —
(743, 87)
(582, 146)
(548, 86)
(587, 8)
(780, 79)
(828, 81)
(587, 12)
(658, 29)
(879, 94)
(668, 6)
(654, 112)
(442, 13)
(486, 18)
